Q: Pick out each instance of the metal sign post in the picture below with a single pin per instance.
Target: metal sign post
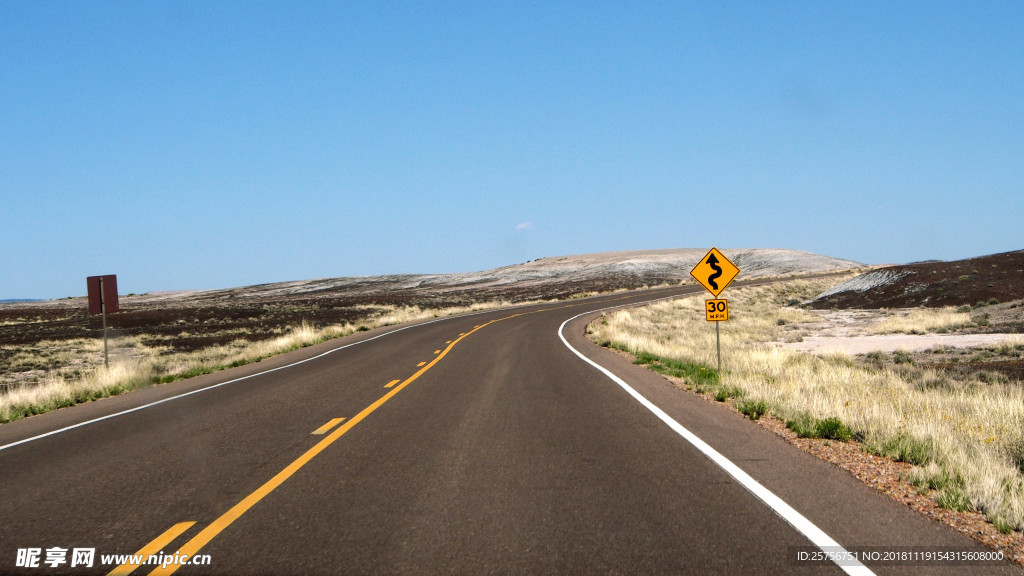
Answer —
(106, 357)
(717, 311)
(103, 299)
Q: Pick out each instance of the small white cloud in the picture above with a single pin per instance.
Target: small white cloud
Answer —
(524, 225)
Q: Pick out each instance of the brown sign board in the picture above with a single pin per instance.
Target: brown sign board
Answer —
(102, 294)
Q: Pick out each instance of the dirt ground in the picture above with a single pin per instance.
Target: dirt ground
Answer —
(993, 347)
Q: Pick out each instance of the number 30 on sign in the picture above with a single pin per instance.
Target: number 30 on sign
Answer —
(717, 310)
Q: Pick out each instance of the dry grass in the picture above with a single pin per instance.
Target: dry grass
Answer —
(923, 321)
(26, 364)
(74, 368)
(966, 437)
(55, 374)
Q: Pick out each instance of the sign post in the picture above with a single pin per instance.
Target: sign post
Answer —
(717, 311)
(103, 299)
(715, 272)
(718, 346)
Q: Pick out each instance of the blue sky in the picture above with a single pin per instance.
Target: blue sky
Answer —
(193, 145)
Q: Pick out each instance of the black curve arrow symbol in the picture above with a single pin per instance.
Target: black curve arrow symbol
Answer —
(713, 262)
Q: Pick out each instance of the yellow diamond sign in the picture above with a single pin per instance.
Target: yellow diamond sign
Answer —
(714, 271)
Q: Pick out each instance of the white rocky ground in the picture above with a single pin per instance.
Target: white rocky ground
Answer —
(849, 332)
(894, 342)
(866, 282)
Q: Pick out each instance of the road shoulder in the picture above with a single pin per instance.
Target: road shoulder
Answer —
(833, 498)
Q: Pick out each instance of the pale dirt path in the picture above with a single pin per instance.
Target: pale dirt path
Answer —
(893, 342)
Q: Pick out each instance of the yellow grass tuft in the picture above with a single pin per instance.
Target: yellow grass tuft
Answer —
(923, 321)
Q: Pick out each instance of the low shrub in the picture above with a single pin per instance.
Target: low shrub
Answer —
(803, 425)
(903, 448)
(724, 393)
(902, 357)
(752, 409)
(833, 429)
(953, 498)
(876, 358)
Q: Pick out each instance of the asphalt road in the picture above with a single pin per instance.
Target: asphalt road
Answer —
(479, 444)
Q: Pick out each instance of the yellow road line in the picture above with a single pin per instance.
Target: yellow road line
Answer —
(437, 351)
(420, 364)
(235, 512)
(154, 547)
(323, 429)
(217, 526)
(392, 383)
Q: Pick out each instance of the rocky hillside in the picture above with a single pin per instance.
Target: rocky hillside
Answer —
(543, 278)
(195, 319)
(987, 279)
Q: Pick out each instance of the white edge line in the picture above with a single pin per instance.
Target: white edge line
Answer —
(816, 535)
(211, 387)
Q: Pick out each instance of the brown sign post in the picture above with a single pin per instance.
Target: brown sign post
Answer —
(103, 299)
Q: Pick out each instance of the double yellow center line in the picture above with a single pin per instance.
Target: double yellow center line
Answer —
(192, 547)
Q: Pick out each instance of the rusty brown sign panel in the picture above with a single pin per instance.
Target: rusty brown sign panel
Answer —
(102, 294)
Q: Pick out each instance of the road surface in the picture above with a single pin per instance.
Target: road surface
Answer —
(479, 444)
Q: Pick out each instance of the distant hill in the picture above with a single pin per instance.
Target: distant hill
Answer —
(545, 277)
(194, 319)
(987, 278)
(18, 300)
(554, 277)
